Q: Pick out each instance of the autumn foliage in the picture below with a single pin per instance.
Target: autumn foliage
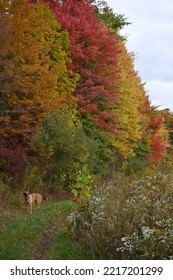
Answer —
(34, 79)
(68, 55)
(158, 136)
(94, 57)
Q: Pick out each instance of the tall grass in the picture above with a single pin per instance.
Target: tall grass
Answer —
(128, 220)
(65, 248)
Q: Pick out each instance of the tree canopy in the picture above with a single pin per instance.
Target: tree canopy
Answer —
(69, 55)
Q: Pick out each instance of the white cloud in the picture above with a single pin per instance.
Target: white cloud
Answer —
(161, 93)
(150, 38)
(158, 8)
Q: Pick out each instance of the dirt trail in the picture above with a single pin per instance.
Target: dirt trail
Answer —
(41, 249)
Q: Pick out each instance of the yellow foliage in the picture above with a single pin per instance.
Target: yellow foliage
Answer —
(131, 99)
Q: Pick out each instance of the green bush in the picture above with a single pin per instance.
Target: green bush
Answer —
(82, 189)
(63, 149)
(128, 220)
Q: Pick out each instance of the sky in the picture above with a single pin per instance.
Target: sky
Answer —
(150, 37)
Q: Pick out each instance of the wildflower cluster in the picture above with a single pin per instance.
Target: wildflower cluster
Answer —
(129, 220)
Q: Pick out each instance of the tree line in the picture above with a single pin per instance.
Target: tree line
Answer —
(70, 98)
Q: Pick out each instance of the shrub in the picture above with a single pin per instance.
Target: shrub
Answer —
(63, 148)
(128, 220)
(10, 196)
(82, 189)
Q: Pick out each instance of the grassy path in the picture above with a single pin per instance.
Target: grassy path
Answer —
(45, 242)
(42, 235)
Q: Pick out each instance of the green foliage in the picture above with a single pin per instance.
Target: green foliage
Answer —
(82, 189)
(128, 220)
(142, 149)
(113, 21)
(137, 162)
(33, 178)
(63, 148)
(135, 166)
(2, 162)
(168, 121)
(103, 152)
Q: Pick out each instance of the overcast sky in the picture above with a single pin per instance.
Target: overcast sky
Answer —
(150, 37)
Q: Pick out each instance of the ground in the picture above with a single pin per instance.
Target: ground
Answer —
(40, 235)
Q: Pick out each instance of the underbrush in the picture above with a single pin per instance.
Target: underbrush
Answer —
(11, 197)
(128, 220)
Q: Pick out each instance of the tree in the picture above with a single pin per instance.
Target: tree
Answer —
(158, 136)
(114, 22)
(34, 78)
(94, 57)
(168, 120)
(109, 91)
(131, 96)
(63, 149)
(34, 75)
